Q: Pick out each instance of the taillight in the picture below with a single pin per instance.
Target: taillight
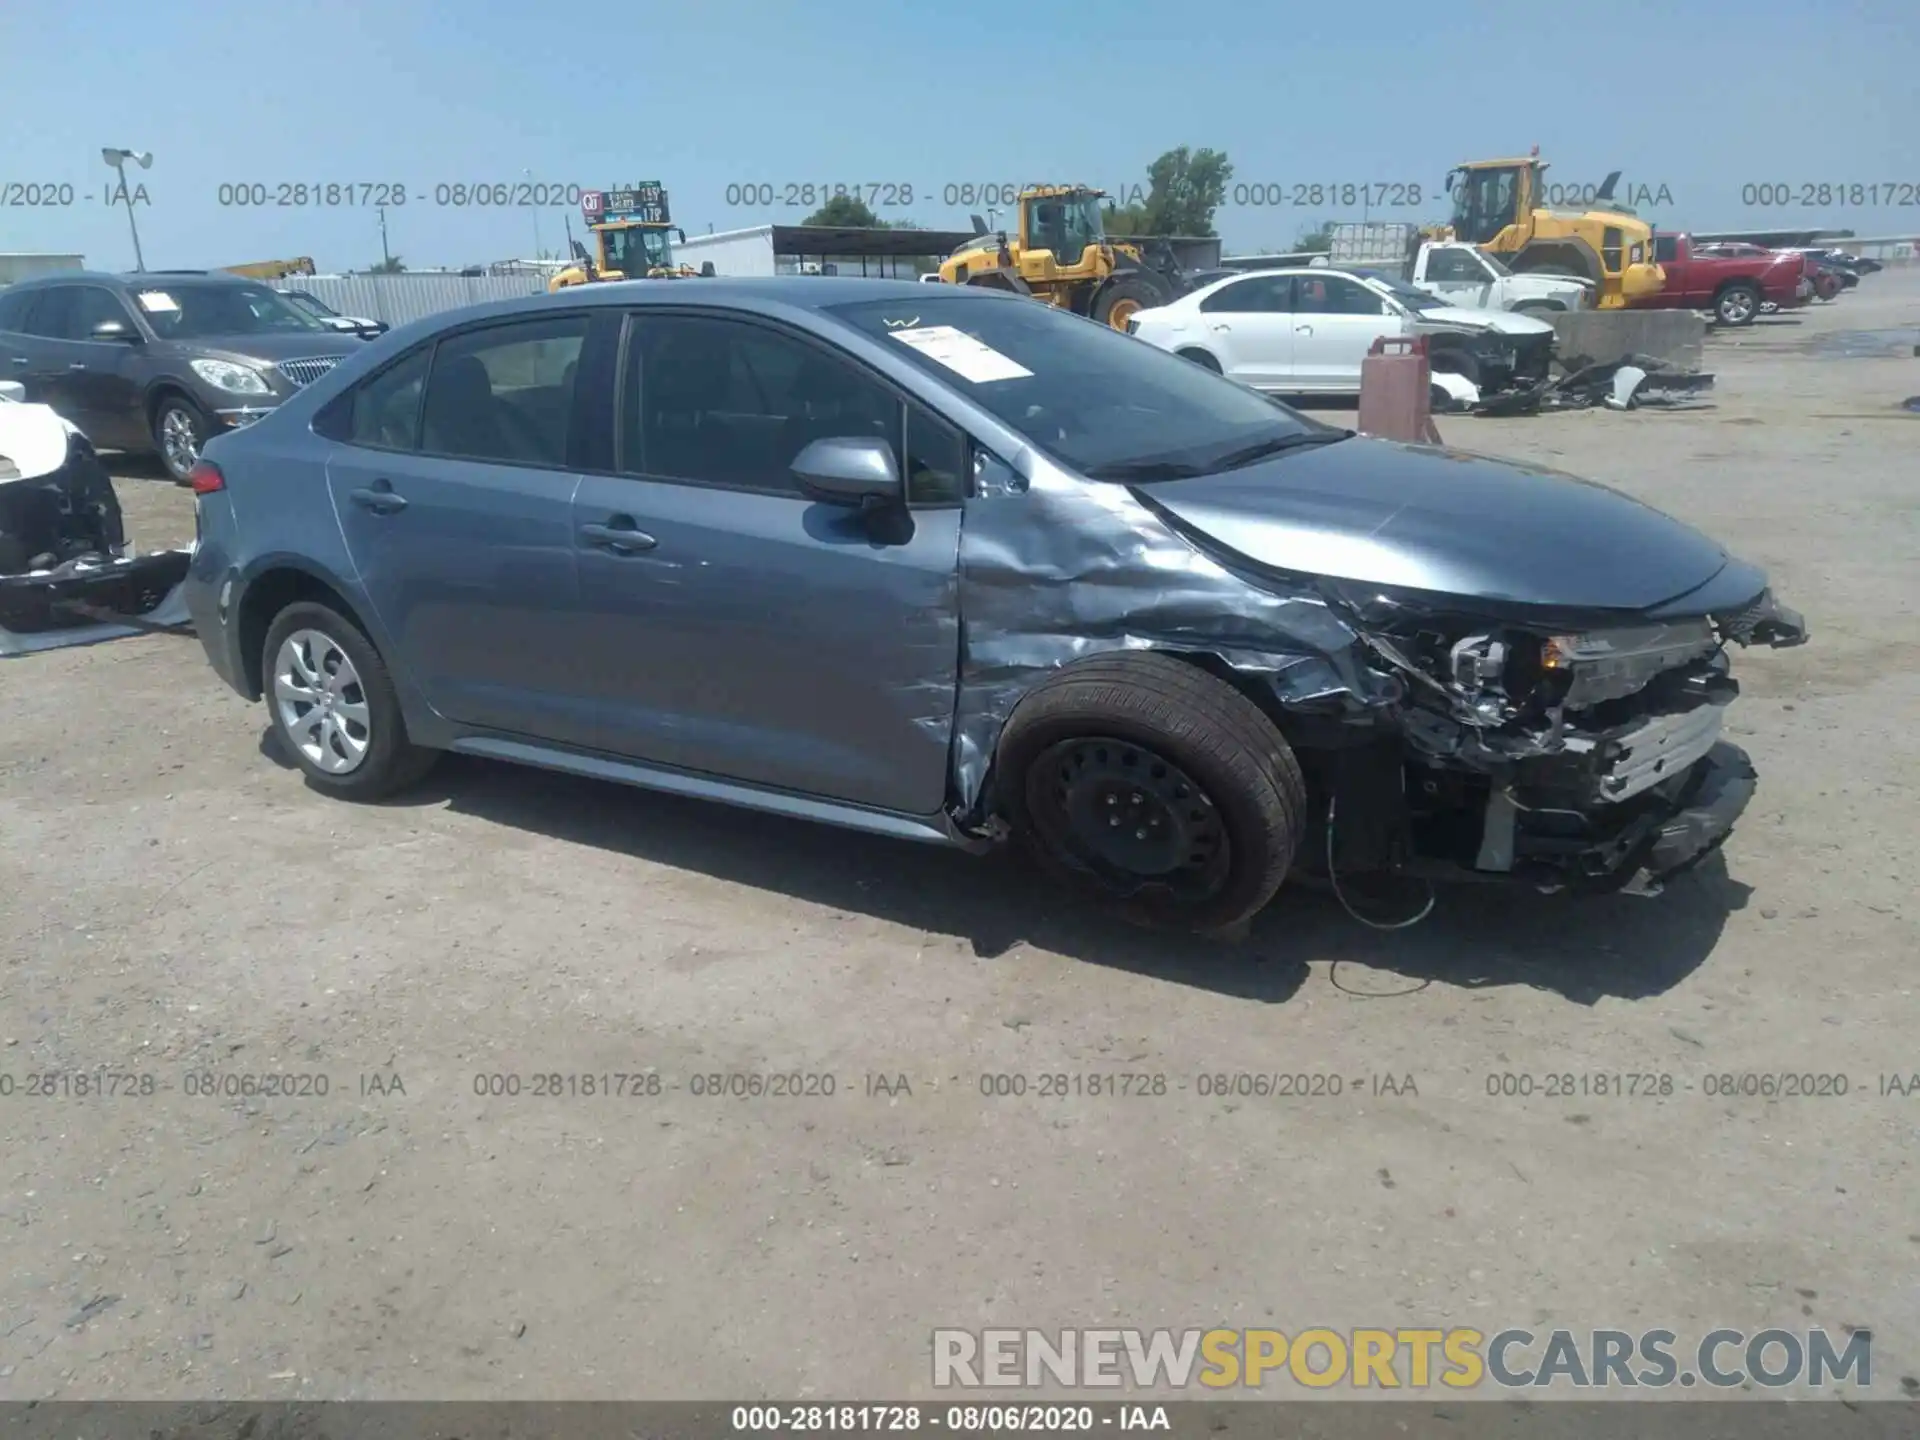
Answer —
(205, 477)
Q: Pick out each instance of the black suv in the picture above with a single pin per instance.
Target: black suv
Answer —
(160, 360)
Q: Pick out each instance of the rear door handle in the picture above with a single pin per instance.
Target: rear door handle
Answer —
(76, 365)
(19, 359)
(619, 535)
(380, 499)
(1222, 326)
(1303, 329)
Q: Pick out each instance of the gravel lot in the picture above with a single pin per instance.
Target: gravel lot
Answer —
(174, 903)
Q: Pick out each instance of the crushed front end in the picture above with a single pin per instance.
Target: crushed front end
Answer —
(1567, 756)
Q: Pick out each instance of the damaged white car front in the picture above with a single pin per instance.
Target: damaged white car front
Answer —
(68, 575)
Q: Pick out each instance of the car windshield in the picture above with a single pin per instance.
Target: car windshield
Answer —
(309, 304)
(634, 250)
(186, 312)
(1102, 403)
(1399, 289)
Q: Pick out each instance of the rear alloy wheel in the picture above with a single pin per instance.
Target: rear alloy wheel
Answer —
(333, 706)
(1737, 304)
(180, 428)
(1155, 786)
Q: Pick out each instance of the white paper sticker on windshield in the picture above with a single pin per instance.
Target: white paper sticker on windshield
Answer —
(961, 353)
(157, 301)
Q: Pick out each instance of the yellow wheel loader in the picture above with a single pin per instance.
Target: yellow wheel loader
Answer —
(1059, 253)
(1499, 205)
(629, 229)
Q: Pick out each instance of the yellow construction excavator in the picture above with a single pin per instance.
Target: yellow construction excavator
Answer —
(1500, 205)
(273, 269)
(629, 230)
(1059, 252)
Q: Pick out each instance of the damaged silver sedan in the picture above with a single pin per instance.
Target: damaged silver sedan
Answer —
(961, 567)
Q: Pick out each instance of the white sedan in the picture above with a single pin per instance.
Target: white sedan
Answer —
(1305, 331)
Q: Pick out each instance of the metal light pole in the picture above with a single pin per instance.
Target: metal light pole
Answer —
(118, 160)
(539, 251)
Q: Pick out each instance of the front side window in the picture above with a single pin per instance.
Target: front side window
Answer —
(386, 409)
(1483, 204)
(1455, 267)
(94, 306)
(730, 404)
(1334, 295)
(1101, 402)
(504, 393)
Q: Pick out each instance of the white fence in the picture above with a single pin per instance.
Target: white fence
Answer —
(397, 299)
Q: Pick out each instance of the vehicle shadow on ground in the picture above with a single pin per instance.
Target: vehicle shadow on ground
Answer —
(1476, 936)
(128, 466)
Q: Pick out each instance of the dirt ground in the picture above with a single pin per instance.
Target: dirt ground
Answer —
(178, 913)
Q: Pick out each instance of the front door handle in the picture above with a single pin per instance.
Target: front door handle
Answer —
(76, 365)
(19, 359)
(619, 536)
(380, 499)
(1303, 329)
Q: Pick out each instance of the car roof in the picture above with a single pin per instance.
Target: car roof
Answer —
(132, 279)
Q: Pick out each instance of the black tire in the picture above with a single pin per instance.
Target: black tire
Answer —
(1124, 294)
(1067, 746)
(189, 415)
(1738, 304)
(1200, 358)
(391, 761)
(1539, 309)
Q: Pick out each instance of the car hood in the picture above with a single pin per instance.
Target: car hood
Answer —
(274, 348)
(1417, 518)
(1455, 317)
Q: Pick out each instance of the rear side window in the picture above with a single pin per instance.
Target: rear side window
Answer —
(1262, 295)
(50, 317)
(386, 409)
(13, 308)
(504, 393)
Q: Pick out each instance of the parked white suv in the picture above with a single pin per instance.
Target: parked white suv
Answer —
(1305, 330)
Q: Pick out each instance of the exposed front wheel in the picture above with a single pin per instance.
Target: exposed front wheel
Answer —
(333, 706)
(1156, 786)
(180, 428)
(1737, 305)
(1124, 296)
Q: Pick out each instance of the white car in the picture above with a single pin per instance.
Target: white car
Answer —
(1304, 331)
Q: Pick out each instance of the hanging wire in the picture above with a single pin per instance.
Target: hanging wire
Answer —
(1333, 875)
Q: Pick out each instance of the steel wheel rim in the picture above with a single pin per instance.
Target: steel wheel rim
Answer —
(1128, 818)
(321, 702)
(178, 443)
(1123, 311)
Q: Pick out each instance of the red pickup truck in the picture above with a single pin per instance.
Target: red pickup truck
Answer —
(1733, 287)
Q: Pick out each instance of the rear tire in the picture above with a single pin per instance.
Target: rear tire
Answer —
(1202, 798)
(1738, 304)
(333, 707)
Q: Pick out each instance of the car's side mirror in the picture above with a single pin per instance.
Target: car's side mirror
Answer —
(13, 390)
(115, 332)
(853, 470)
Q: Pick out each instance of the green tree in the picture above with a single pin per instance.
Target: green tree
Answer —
(392, 265)
(848, 212)
(1187, 186)
(1318, 237)
(1125, 220)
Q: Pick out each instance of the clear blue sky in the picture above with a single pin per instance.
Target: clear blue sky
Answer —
(1701, 96)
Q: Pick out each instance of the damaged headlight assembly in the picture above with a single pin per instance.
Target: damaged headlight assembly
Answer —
(1586, 750)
